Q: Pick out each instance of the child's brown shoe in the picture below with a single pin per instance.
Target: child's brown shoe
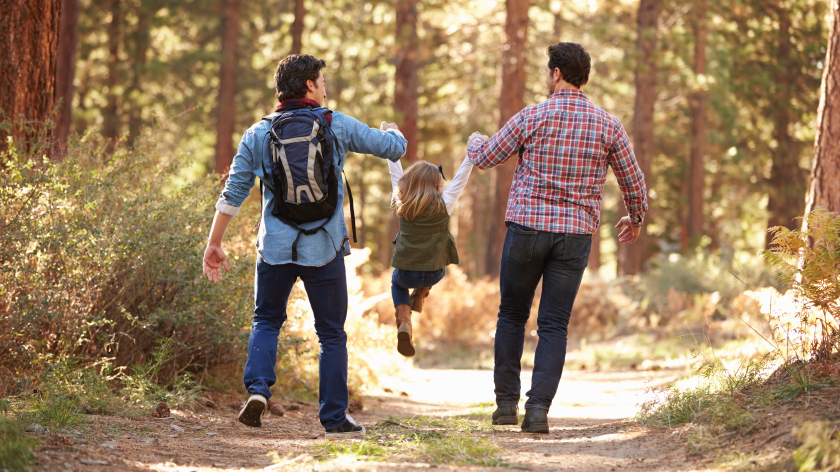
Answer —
(418, 295)
(404, 346)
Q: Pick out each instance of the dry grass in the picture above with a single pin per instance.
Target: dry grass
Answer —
(461, 313)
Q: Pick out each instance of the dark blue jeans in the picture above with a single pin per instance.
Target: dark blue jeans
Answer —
(402, 280)
(527, 257)
(326, 288)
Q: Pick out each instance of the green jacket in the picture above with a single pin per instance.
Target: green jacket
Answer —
(425, 244)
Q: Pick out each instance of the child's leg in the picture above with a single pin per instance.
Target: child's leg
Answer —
(401, 281)
(418, 295)
(399, 290)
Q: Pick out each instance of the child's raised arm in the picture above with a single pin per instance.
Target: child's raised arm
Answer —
(453, 191)
(395, 168)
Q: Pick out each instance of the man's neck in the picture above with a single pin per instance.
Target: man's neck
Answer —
(564, 86)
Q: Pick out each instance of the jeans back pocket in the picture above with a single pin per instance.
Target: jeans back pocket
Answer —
(576, 251)
(521, 244)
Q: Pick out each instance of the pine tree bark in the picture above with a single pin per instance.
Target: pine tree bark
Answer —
(297, 27)
(595, 252)
(697, 170)
(141, 40)
(787, 182)
(632, 257)
(824, 188)
(110, 129)
(406, 82)
(511, 101)
(68, 39)
(29, 45)
(227, 88)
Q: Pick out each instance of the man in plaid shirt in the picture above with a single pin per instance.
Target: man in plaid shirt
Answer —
(565, 145)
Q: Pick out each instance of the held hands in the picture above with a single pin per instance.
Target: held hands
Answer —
(477, 135)
(629, 233)
(385, 126)
(214, 260)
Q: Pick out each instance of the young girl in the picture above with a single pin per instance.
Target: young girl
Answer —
(424, 245)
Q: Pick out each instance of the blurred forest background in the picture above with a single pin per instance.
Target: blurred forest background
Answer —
(121, 116)
(720, 98)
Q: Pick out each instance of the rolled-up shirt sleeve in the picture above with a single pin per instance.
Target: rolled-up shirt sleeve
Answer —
(631, 180)
(240, 178)
(501, 147)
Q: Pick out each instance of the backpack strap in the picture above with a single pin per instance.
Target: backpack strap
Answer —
(352, 211)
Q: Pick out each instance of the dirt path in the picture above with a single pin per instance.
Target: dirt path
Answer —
(590, 431)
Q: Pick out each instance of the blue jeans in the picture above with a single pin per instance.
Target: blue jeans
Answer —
(528, 256)
(402, 280)
(326, 288)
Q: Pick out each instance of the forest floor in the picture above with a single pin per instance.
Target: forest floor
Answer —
(591, 430)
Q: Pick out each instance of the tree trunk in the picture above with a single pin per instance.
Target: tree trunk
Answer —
(141, 41)
(824, 189)
(595, 252)
(787, 183)
(632, 257)
(68, 38)
(406, 83)
(511, 101)
(29, 45)
(696, 180)
(227, 88)
(110, 129)
(297, 27)
(558, 22)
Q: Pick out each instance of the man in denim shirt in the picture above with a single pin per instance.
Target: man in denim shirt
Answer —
(300, 83)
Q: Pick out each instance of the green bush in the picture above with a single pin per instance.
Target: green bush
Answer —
(820, 448)
(15, 453)
(100, 257)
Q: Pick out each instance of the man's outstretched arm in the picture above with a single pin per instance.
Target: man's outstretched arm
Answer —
(487, 153)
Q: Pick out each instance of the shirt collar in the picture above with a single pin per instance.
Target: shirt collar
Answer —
(569, 93)
(295, 103)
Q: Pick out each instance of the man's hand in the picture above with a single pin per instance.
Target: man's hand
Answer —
(630, 232)
(477, 135)
(214, 260)
(385, 126)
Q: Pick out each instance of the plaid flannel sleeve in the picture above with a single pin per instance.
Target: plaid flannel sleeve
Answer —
(498, 149)
(631, 180)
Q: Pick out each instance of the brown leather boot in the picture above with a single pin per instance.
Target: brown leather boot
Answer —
(404, 346)
(418, 295)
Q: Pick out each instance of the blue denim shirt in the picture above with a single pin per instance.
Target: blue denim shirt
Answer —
(275, 238)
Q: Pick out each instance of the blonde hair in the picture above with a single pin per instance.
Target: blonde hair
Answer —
(418, 192)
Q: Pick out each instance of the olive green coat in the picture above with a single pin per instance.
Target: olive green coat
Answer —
(425, 244)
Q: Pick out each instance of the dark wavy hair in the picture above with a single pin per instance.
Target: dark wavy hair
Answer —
(572, 60)
(292, 74)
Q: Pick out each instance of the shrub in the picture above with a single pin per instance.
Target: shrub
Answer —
(100, 256)
(820, 448)
(15, 453)
(809, 263)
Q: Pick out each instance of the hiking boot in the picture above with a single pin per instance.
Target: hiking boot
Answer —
(348, 430)
(536, 421)
(252, 410)
(404, 346)
(506, 415)
(418, 295)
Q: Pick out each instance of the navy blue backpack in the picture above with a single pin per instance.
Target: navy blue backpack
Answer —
(302, 177)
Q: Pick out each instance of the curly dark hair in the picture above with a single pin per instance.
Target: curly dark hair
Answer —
(292, 74)
(572, 60)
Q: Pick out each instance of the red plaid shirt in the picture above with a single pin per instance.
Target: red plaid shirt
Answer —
(567, 144)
